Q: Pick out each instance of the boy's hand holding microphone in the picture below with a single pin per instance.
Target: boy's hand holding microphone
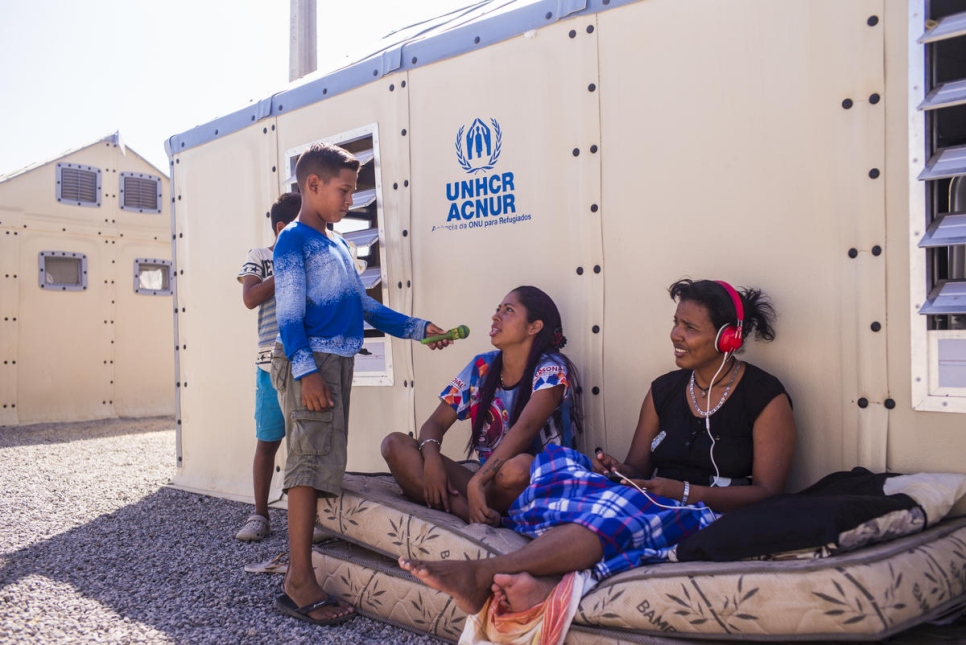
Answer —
(438, 338)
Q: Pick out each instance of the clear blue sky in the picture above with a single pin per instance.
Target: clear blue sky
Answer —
(72, 72)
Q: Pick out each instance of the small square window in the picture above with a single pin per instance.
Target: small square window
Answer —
(152, 277)
(78, 185)
(62, 271)
(141, 193)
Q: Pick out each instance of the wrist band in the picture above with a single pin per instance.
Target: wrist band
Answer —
(425, 441)
(687, 491)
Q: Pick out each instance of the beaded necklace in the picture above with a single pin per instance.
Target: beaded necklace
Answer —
(706, 390)
(694, 399)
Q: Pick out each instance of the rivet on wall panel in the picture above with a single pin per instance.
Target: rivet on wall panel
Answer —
(853, 253)
(874, 98)
(874, 173)
(875, 326)
(405, 233)
(591, 87)
(549, 15)
(596, 268)
(580, 270)
(595, 390)
(476, 40)
(876, 250)
(889, 404)
(403, 84)
(573, 33)
(594, 208)
(595, 329)
(590, 29)
(576, 152)
(872, 21)
(863, 402)
(392, 87)
(847, 103)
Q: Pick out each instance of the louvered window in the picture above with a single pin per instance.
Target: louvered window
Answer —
(937, 88)
(363, 228)
(78, 185)
(62, 271)
(141, 193)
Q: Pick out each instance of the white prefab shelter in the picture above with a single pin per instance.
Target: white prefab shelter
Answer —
(602, 149)
(85, 288)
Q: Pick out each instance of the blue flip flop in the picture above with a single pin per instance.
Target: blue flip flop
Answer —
(288, 607)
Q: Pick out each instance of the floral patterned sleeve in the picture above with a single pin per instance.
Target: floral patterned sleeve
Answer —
(551, 373)
(463, 392)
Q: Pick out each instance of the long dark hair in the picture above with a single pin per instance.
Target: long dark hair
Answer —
(759, 313)
(548, 342)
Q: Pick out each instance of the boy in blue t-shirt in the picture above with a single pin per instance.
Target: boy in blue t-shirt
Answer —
(320, 306)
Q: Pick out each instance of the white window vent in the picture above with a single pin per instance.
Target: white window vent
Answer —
(78, 185)
(62, 271)
(152, 277)
(937, 151)
(141, 193)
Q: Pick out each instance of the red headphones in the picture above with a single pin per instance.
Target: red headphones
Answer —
(728, 339)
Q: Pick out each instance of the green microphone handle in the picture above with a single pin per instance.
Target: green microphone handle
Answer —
(453, 334)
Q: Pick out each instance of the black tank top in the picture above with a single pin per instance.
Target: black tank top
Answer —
(684, 451)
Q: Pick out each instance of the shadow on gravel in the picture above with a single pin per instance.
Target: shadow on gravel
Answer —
(169, 561)
(41, 433)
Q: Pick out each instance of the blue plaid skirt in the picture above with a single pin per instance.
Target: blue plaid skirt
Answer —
(633, 528)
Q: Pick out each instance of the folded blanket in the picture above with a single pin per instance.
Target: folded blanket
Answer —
(544, 624)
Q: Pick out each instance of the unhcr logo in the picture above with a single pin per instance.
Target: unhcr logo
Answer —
(483, 200)
(482, 146)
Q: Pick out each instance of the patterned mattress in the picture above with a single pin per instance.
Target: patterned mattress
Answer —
(867, 594)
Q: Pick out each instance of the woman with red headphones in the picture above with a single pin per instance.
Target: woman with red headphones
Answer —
(718, 430)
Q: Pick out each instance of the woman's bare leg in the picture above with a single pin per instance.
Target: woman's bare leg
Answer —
(569, 547)
(405, 462)
(509, 483)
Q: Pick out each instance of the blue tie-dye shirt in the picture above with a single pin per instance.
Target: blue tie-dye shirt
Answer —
(320, 300)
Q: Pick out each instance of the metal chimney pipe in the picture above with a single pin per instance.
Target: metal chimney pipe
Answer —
(303, 40)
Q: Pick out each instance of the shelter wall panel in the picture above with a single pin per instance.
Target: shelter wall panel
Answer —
(531, 93)
(9, 313)
(220, 208)
(66, 360)
(376, 410)
(738, 162)
(143, 338)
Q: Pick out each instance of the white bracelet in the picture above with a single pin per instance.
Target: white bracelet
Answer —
(425, 441)
(687, 491)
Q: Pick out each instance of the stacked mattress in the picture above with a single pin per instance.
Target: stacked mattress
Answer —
(868, 594)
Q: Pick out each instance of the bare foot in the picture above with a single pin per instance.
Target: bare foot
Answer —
(305, 595)
(521, 591)
(458, 579)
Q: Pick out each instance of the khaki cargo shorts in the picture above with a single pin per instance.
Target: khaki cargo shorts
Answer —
(316, 440)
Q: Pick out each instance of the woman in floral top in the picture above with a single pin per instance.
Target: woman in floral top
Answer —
(519, 398)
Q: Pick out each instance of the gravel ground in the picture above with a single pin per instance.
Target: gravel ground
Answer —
(95, 549)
